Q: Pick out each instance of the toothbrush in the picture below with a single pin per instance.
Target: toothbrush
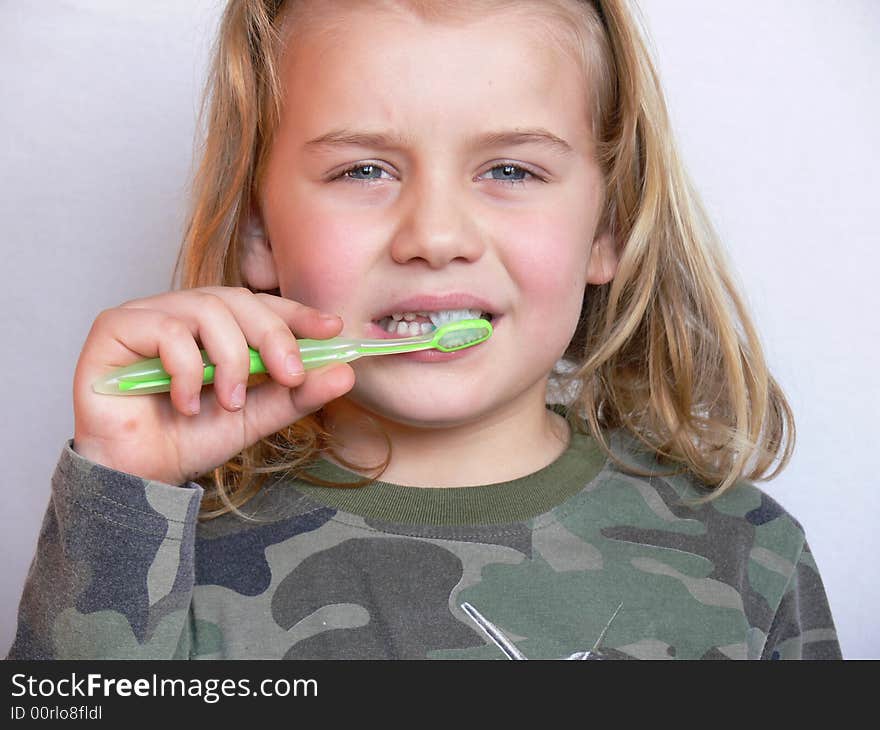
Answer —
(148, 376)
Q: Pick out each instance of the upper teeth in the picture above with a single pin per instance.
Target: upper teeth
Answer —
(403, 323)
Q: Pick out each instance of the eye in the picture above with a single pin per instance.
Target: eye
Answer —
(363, 173)
(506, 172)
(511, 174)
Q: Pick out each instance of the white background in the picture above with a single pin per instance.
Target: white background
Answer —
(775, 106)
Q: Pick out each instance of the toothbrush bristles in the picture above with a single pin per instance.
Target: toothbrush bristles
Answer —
(468, 334)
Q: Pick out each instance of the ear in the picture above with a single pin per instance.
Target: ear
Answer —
(257, 262)
(603, 260)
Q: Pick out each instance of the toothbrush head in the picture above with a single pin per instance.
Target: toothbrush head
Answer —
(459, 335)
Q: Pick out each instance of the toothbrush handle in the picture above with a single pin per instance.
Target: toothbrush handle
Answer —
(148, 376)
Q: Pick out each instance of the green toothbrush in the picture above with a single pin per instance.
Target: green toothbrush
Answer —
(148, 376)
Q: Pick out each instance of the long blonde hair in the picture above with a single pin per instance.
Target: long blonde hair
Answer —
(665, 351)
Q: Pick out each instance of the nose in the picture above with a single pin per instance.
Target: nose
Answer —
(436, 226)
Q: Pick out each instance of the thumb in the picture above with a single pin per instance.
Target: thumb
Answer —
(271, 406)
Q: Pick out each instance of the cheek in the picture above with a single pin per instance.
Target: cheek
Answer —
(320, 258)
(548, 260)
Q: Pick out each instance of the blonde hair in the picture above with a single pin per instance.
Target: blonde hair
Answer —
(665, 351)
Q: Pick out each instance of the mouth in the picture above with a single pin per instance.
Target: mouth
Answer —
(414, 324)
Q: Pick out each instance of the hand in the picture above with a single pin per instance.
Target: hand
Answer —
(160, 437)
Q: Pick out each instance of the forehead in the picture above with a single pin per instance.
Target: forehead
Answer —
(388, 61)
(557, 19)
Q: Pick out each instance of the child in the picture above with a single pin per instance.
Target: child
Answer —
(387, 161)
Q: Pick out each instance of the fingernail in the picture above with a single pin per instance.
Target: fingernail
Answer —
(329, 317)
(195, 405)
(292, 365)
(237, 398)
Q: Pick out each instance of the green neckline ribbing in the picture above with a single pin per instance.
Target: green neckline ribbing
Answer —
(504, 502)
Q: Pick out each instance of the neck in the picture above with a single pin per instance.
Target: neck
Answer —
(507, 444)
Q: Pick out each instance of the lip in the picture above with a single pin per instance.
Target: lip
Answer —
(436, 303)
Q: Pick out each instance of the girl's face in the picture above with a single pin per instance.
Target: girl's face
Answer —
(425, 166)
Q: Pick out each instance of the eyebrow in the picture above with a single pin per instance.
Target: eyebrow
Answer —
(390, 141)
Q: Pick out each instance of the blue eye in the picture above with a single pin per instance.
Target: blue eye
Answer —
(506, 173)
(366, 170)
(509, 173)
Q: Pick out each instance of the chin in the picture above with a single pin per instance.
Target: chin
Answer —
(437, 406)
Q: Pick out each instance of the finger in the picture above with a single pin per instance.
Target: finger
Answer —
(324, 385)
(271, 406)
(305, 321)
(128, 335)
(268, 324)
(221, 336)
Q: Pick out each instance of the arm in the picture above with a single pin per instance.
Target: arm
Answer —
(802, 627)
(113, 573)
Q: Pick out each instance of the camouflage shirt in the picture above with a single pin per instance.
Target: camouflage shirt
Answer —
(532, 568)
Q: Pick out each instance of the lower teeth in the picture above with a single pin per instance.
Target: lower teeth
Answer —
(406, 329)
(403, 328)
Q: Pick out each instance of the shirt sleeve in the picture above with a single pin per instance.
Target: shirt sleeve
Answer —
(113, 573)
(803, 627)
